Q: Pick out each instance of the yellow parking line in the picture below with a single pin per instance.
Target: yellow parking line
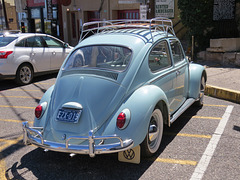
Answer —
(25, 107)
(204, 117)
(2, 168)
(24, 90)
(215, 105)
(189, 135)
(2, 161)
(177, 161)
(15, 121)
(43, 83)
(21, 97)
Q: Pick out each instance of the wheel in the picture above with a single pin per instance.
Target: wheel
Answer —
(24, 74)
(199, 102)
(152, 141)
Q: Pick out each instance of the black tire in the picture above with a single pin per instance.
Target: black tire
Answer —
(153, 139)
(199, 102)
(24, 74)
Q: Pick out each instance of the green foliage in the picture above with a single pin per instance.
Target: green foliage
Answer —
(197, 17)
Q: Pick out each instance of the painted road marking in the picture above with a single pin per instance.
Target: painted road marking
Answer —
(21, 97)
(44, 83)
(2, 161)
(15, 121)
(25, 90)
(215, 105)
(206, 117)
(25, 107)
(177, 161)
(207, 155)
(189, 135)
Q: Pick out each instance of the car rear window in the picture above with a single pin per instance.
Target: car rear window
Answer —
(101, 57)
(6, 40)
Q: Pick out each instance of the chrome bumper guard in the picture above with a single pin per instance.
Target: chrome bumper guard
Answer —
(92, 149)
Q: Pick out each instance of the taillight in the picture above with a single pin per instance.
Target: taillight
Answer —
(4, 54)
(38, 111)
(121, 119)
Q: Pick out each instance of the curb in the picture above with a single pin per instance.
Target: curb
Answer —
(222, 93)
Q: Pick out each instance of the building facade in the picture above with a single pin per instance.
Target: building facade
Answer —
(75, 13)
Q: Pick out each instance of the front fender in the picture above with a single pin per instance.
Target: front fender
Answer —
(141, 105)
(196, 71)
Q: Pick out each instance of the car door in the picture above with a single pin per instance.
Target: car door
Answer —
(162, 69)
(180, 84)
(57, 51)
(38, 53)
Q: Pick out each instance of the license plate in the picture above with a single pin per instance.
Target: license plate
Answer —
(68, 115)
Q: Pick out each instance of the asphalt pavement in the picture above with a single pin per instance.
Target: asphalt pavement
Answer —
(223, 81)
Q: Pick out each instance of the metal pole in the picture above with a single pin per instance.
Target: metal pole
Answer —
(5, 15)
(192, 47)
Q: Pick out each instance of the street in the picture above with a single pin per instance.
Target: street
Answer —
(202, 143)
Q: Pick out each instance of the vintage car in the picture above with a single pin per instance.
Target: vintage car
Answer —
(116, 90)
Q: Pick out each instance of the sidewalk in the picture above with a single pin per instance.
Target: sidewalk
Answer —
(222, 81)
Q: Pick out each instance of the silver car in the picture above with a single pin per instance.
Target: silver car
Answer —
(24, 55)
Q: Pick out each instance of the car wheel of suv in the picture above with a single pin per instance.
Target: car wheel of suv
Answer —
(24, 74)
(153, 139)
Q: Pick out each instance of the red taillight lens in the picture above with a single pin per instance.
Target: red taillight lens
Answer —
(38, 111)
(121, 119)
(4, 54)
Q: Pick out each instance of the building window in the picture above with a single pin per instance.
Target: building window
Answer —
(128, 14)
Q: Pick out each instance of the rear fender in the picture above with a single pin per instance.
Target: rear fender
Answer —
(141, 105)
(196, 71)
(46, 98)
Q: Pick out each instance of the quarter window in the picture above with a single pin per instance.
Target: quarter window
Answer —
(159, 57)
(177, 52)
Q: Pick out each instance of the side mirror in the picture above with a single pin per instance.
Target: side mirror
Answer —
(66, 45)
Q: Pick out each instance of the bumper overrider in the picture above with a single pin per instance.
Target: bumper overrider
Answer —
(33, 135)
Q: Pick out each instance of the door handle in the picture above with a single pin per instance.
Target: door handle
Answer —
(53, 53)
(32, 54)
(178, 72)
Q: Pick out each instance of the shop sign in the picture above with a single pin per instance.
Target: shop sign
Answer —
(49, 9)
(143, 11)
(38, 3)
(164, 8)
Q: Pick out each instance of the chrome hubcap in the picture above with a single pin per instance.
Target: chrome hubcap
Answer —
(25, 74)
(153, 132)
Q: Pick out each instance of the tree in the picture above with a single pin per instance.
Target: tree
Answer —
(197, 17)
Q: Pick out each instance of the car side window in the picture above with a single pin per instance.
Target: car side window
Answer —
(52, 42)
(20, 43)
(159, 57)
(177, 52)
(35, 41)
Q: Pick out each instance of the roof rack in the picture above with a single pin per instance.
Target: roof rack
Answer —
(160, 24)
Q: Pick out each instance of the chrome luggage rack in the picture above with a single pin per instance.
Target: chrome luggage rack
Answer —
(160, 25)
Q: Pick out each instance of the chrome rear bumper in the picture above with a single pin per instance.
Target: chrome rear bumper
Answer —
(33, 135)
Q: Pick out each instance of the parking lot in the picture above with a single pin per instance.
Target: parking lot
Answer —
(202, 144)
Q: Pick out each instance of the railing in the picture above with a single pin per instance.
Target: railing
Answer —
(163, 25)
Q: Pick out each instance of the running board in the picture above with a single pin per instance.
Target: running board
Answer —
(181, 110)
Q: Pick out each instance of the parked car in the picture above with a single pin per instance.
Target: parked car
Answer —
(24, 55)
(116, 90)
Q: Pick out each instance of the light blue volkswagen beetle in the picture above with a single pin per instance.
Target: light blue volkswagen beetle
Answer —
(116, 90)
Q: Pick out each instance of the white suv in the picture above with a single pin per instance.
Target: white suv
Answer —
(23, 55)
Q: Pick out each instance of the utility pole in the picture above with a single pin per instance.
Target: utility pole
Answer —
(5, 15)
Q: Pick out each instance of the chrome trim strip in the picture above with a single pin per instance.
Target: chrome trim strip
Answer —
(92, 149)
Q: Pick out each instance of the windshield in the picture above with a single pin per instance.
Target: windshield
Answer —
(102, 57)
(6, 40)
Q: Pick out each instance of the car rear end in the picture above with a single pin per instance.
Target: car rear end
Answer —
(7, 64)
